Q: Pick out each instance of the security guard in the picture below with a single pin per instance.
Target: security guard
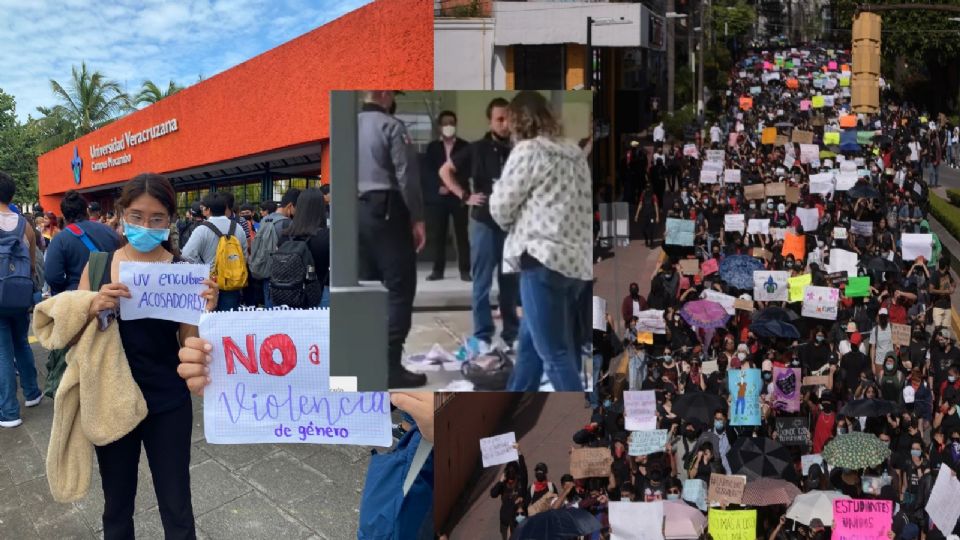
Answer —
(392, 229)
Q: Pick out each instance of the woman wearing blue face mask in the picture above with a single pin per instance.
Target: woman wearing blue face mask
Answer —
(911, 474)
(151, 347)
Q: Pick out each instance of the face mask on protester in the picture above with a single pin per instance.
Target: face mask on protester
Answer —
(820, 339)
(607, 403)
(673, 496)
(448, 131)
(951, 378)
(520, 518)
(718, 425)
(916, 453)
(143, 239)
(742, 356)
(767, 376)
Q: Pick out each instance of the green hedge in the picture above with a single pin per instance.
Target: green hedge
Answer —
(947, 214)
(954, 196)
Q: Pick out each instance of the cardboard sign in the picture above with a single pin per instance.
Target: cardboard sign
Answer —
(168, 291)
(640, 410)
(820, 302)
(744, 387)
(776, 189)
(781, 140)
(758, 226)
(651, 320)
(793, 430)
(499, 449)
(807, 460)
(862, 519)
(786, 389)
(917, 245)
(733, 223)
(942, 505)
(836, 278)
(754, 191)
(745, 305)
(269, 381)
(690, 267)
(761, 253)
(636, 520)
(732, 524)
(802, 137)
(770, 286)
(817, 380)
(590, 462)
(679, 232)
(793, 194)
(644, 443)
(901, 334)
(599, 314)
(695, 491)
(798, 285)
(726, 489)
(709, 266)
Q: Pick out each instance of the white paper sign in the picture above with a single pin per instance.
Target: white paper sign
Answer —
(651, 320)
(758, 226)
(715, 167)
(808, 218)
(640, 410)
(942, 505)
(917, 245)
(809, 153)
(636, 520)
(695, 491)
(724, 300)
(770, 286)
(777, 233)
(731, 176)
(708, 177)
(269, 381)
(599, 314)
(733, 223)
(690, 150)
(839, 233)
(168, 291)
(499, 449)
(643, 443)
(843, 260)
(821, 183)
(820, 302)
(846, 179)
(715, 155)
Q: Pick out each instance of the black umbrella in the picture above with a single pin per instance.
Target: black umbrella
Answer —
(869, 407)
(879, 264)
(698, 406)
(863, 190)
(759, 457)
(774, 328)
(560, 523)
(775, 313)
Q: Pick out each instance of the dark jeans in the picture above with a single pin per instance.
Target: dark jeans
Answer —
(228, 300)
(166, 438)
(438, 224)
(387, 254)
(486, 254)
(16, 358)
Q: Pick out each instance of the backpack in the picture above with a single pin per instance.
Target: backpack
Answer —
(293, 276)
(16, 279)
(264, 244)
(186, 231)
(489, 372)
(397, 497)
(75, 230)
(229, 265)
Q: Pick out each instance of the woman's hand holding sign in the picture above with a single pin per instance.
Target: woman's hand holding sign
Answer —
(211, 294)
(108, 298)
(194, 360)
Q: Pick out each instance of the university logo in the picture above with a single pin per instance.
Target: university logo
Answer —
(77, 164)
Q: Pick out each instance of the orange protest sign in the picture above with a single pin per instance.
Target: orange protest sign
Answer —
(768, 136)
(793, 84)
(845, 68)
(848, 121)
(746, 103)
(795, 244)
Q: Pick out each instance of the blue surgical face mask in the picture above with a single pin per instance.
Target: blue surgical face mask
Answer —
(916, 453)
(143, 239)
(718, 425)
(951, 378)
(673, 496)
(607, 403)
(520, 518)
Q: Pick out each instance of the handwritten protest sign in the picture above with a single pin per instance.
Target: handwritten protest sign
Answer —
(589, 462)
(793, 194)
(708, 176)
(861, 228)
(793, 430)
(862, 519)
(776, 189)
(801, 137)
(917, 245)
(168, 291)
(695, 491)
(690, 150)
(754, 191)
(842, 260)
(809, 153)
(599, 314)
(761, 253)
(690, 267)
(839, 233)
(651, 320)
(732, 524)
(831, 137)
(499, 449)
(640, 410)
(709, 266)
(758, 226)
(807, 460)
(726, 489)
(900, 334)
(269, 381)
(794, 244)
(679, 232)
(643, 443)
(636, 520)
(820, 302)
(808, 218)
(942, 505)
(770, 286)
(798, 285)
(846, 180)
(731, 176)
(817, 380)
(768, 135)
(786, 389)
(857, 287)
(744, 387)
(821, 183)
(781, 140)
(733, 223)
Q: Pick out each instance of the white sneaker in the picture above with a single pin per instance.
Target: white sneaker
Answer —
(34, 402)
(10, 423)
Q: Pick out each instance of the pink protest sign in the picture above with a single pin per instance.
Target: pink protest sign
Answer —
(767, 66)
(832, 65)
(861, 519)
(732, 139)
(709, 266)
(805, 105)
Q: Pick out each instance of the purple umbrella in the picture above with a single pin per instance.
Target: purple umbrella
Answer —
(704, 314)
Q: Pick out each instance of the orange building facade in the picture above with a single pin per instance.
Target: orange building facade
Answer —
(257, 128)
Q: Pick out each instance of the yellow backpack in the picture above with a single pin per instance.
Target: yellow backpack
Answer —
(229, 265)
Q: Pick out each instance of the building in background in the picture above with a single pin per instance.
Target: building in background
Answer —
(257, 128)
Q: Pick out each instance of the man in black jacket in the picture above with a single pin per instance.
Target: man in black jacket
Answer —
(441, 204)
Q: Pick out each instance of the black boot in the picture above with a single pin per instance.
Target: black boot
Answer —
(400, 377)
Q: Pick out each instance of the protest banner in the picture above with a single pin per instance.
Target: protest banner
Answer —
(679, 232)
(916, 245)
(732, 524)
(690, 150)
(733, 223)
(801, 137)
(793, 430)
(793, 194)
(862, 519)
(651, 320)
(731, 176)
(942, 505)
(809, 153)
(725, 300)
(270, 380)
(776, 189)
(817, 101)
(168, 291)
(746, 103)
(786, 389)
(758, 226)
(715, 156)
(798, 285)
(644, 443)
(861, 228)
(900, 334)
(839, 233)
(831, 137)
(770, 286)
(695, 491)
(789, 161)
(744, 387)
(636, 520)
(807, 460)
(842, 260)
(599, 314)
(499, 449)
(709, 266)
(836, 278)
(857, 287)
(708, 176)
(821, 183)
(805, 105)
(808, 218)
(820, 302)
(640, 410)
(726, 489)
(768, 135)
(690, 267)
(794, 244)
(754, 191)
(590, 462)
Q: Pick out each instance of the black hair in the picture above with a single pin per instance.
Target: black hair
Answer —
(290, 197)
(156, 186)
(229, 199)
(246, 206)
(73, 207)
(8, 188)
(443, 114)
(496, 102)
(310, 215)
(216, 202)
(268, 206)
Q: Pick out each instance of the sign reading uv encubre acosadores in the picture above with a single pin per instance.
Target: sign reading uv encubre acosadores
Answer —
(269, 383)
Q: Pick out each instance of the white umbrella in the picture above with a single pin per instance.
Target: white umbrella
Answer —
(815, 504)
(682, 521)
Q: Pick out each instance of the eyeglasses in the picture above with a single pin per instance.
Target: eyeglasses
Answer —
(154, 222)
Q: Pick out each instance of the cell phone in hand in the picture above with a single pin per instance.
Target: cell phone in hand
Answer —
(105, 317)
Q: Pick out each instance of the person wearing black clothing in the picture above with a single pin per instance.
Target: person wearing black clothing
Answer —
(942, 355)
(512, 490)
(853, 364)
(69, 251)
(440, 204)
(310, 225)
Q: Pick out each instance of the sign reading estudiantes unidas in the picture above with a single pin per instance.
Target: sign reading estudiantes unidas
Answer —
(121, 145)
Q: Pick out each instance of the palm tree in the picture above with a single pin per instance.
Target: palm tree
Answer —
(88, 102)
(151, 93)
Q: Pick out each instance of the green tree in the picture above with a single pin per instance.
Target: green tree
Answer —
(151, 93)
(88, 102)
(732, 18)
(18, 150)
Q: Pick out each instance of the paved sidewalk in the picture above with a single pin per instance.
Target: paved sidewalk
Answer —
(268, 492)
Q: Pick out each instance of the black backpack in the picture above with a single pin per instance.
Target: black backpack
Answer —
(294, 280)
(186, 231)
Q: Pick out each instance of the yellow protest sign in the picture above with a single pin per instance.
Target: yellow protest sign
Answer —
(732, 524)
(797, 286)
(645, 338)
(831, 137)
(768, 136)
(844, 82)
(816, 102)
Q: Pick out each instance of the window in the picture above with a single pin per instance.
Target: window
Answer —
(539, 67)
(281, 185)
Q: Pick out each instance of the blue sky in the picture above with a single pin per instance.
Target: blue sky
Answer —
(129, 41)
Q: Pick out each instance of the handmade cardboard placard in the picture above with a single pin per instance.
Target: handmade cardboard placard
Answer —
(793, 194)
(776, 189)
(590, 462)
(901, 334)
(816, 380)
(862, 518)
(270, 380)
(754, 191)
(801, 136)
(690, 267)
(168, 291)
(499, 449)
(726, 489)
(745, 305)
(781, 140)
